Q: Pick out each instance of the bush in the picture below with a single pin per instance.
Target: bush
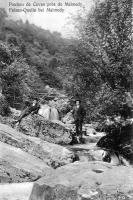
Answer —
(4, 107)
(119, 138)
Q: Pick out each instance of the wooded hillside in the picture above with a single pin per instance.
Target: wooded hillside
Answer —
(97, 66)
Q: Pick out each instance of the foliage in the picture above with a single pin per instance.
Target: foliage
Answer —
(119, 138)
(40, 47)
(97, 66)
(4, 107)
(29, 60)
(103, 58)
(5, 54)
(12, 77)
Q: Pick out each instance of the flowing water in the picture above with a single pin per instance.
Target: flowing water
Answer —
(49, 113)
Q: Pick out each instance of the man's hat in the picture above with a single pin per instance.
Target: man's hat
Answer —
(27, 102)
(77, 100)
(35, 98)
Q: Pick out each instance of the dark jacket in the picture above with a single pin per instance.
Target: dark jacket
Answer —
(78, 113)
(29, 109)
(34, 109)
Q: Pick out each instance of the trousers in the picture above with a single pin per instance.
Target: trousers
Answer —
(78, 124)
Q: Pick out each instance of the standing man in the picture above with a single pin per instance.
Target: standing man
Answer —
(78, 115)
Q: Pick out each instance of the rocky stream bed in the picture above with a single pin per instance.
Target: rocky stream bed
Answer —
(34, 169)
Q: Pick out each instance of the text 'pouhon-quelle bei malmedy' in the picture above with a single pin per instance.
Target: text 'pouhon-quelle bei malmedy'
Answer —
(37, 6)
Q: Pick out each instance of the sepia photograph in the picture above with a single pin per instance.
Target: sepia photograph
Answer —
(66, 100)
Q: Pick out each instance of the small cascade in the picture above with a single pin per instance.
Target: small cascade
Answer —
(44, 111)
(48, 113)
(54, 115)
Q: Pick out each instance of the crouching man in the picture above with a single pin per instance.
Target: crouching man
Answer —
(29, 109)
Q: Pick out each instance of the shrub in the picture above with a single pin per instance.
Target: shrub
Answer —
(4, 107)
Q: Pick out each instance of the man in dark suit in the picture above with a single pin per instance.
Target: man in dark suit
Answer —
(78, 115)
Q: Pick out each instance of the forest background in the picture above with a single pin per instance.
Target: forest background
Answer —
(96, 65)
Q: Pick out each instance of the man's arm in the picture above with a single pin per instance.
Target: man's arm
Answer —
(83, 113)
(24, 113)
(72, 111)
(35, 109)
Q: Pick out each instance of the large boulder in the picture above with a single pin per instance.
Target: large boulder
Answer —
(6, 120)
(85, 181)
(52, 154)
(49, 131)
(19, 166)
(15, 191)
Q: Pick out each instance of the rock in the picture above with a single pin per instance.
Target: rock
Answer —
(15, 113)
(97, 154)
(7, 120)
(85, 181)
(93, 137)
(68, 118)
(4, 178)
(20, 166)
(49, 131)
(111, 158)
(15, 191)
(59, 122)
(91, 131)
(52, 154)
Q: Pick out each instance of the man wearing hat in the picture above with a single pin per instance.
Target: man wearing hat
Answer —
(29, 108)
(78, 115)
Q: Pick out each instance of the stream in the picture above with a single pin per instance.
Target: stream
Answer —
(88, 151)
